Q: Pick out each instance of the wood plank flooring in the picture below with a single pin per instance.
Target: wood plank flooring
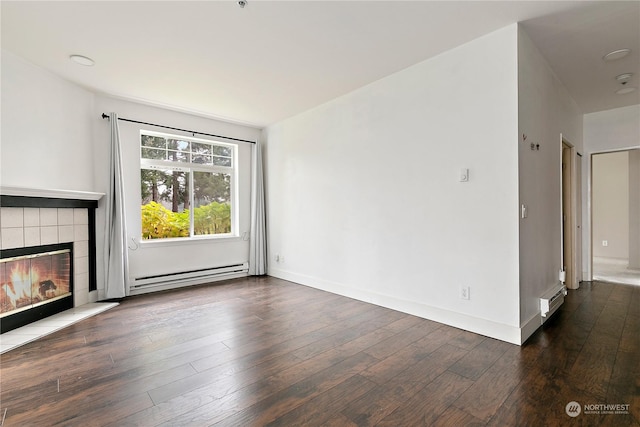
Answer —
(266, 352)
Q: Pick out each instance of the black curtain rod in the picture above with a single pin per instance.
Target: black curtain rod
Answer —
(106, 116)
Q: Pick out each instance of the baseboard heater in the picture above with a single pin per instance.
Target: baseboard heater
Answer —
(186, 278)
(552, 300)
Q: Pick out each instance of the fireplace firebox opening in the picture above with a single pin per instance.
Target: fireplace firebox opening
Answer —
(35, 282)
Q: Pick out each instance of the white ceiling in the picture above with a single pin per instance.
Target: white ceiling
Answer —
(275, 59)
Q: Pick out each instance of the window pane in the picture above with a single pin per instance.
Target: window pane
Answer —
(201, 153)
(165, 203)
(178, 156)
(179, 150)
(221, 161)
(202, 159)
(212, 207)
(178, 144)
(220, 150)
(153, 153)
(198, 148)
(153, 141)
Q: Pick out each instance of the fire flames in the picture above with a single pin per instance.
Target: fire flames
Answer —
(26, 284)
(28, 281)
(17, 291)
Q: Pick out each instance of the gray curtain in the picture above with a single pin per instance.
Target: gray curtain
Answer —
(258, 239)
(115, 247)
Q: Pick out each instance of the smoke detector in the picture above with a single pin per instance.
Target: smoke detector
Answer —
(623, 79)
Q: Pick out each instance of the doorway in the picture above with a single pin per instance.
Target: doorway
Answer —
(615, 213)
(571, 216)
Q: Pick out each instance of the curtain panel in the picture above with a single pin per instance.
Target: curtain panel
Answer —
(115, 250)
(258, 239)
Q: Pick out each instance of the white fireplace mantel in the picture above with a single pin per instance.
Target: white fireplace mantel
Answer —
(50, 193)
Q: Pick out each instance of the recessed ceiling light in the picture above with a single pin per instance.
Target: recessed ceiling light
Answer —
(82, 60)
(616, 54)
(626, 90)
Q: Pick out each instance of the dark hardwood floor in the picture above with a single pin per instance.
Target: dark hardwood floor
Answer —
(262, 351)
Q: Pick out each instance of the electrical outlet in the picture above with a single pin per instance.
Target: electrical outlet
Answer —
(465, 292)
(605, 243)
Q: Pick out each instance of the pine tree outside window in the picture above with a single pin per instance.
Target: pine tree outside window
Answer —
(187, 187)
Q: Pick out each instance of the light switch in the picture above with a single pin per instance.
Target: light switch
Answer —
(523, 211)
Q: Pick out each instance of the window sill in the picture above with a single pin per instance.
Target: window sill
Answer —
(180, 241)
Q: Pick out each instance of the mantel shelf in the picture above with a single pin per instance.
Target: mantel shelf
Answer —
(50, 193)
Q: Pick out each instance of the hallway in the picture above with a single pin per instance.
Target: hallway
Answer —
(608, 270)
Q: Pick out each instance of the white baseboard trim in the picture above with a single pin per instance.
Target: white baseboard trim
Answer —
(530, 327)
(611, 261)
(502, 332)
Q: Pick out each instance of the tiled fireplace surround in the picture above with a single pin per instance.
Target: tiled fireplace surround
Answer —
(23, 227)
(43, 217)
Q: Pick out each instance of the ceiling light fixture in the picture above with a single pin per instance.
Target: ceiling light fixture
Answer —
(616, 54)
(82, 60)
(625, 90)
(242, 3)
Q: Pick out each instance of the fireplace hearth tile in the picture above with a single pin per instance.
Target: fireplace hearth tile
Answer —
(12, 238)
(49, 235)
(26, 334)
(48, 216)
(65, 321)
(65, 233)
(80, 216)
(81, 249)
(31, 217)
(81, 233)
(65, 216)
(17, 339)
(12, 217)
(81, 265)
(40, 330)
(32, 236)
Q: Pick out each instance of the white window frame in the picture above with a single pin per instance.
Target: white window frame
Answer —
(188, 167)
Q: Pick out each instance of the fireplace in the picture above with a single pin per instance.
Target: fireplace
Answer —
(53, 231)
(35, 282)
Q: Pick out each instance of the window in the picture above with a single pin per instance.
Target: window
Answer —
(187, 187)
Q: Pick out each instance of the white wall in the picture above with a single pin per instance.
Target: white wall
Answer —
(609, 130)
(634, 209)
(604, 131)
(610, 204)
(46, 129)
(152, 258)
(546, 115)
(364, 198)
